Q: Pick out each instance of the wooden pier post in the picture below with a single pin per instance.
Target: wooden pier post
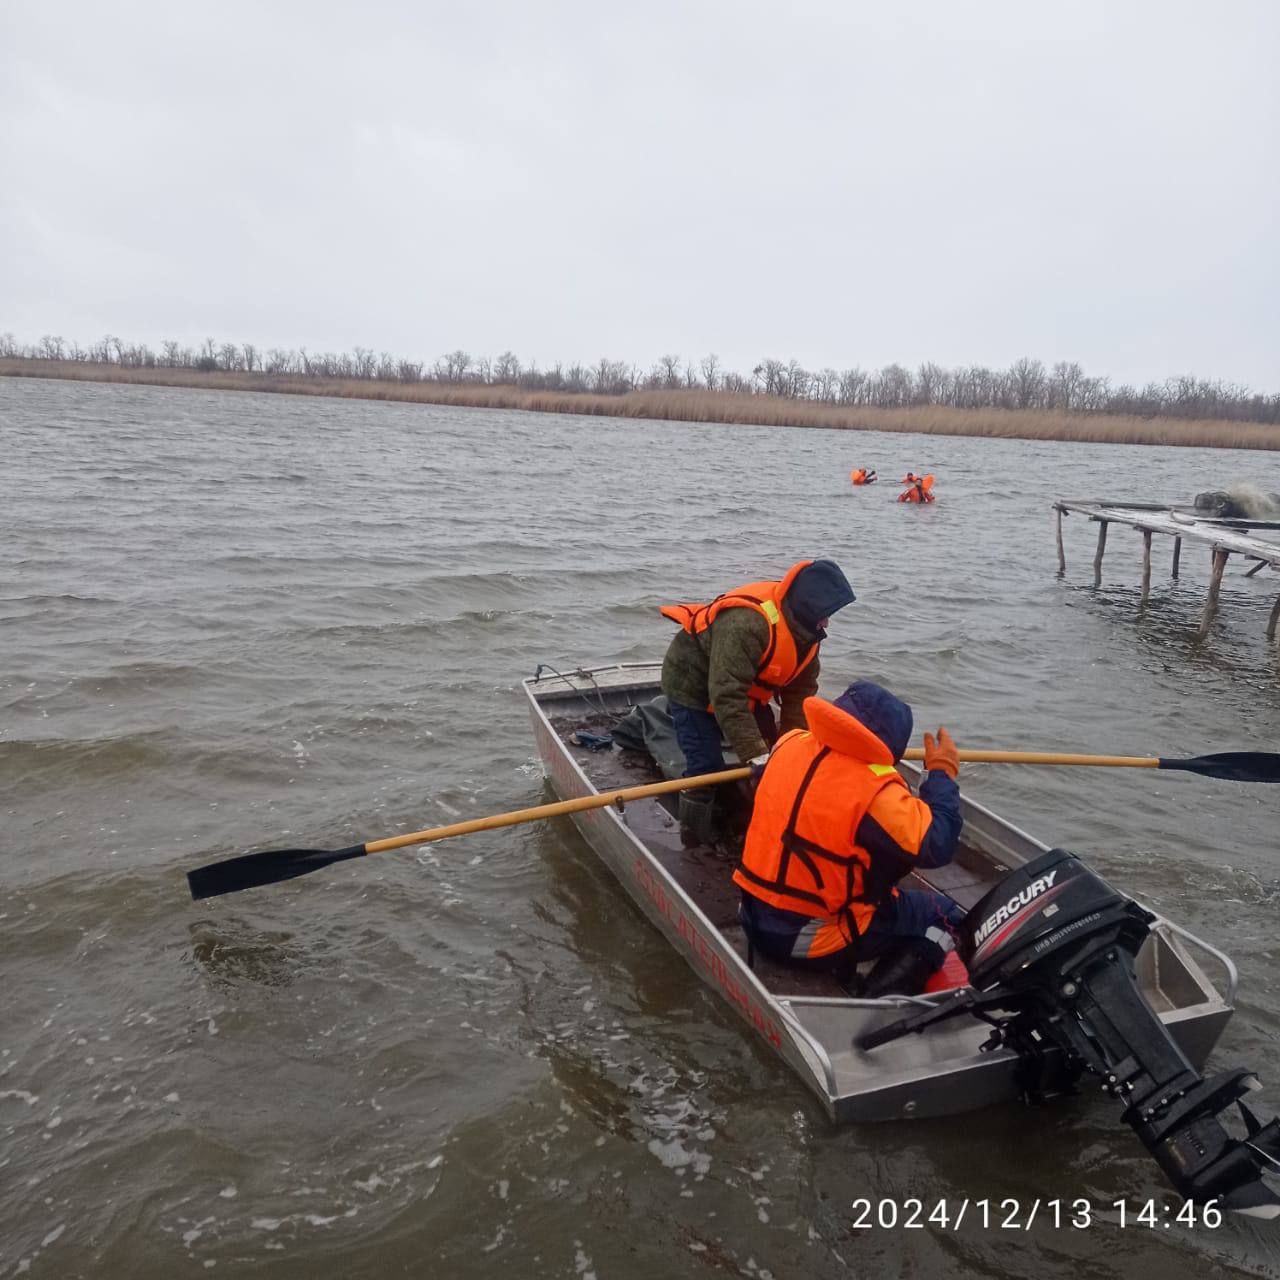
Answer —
(1177, 555)
(1275, 618)
(1146, 565)
(1097, 558)
(1262, 564)
(1215, 583)
(1062, 555)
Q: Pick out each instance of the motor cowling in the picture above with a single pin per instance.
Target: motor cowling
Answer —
(1055, 944)
(1049, 913)
(1051, 954)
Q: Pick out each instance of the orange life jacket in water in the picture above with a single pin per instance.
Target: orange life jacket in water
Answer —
(800, 853)
(859, 476)
(782, 661)
(919, 490)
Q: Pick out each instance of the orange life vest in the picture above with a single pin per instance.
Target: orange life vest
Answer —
(782, 661)
(800, 853)
(919, 491)
(859, 476)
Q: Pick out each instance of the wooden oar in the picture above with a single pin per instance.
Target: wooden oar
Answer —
(272, 865)
(1232, 766)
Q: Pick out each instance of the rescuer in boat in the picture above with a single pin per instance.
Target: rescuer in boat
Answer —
(863, 476)
(731, 658)
(834, 828)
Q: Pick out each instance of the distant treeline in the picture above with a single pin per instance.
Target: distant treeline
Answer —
(1026, 385)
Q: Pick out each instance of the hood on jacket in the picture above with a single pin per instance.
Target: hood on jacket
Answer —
(817, 592)
(888, 717)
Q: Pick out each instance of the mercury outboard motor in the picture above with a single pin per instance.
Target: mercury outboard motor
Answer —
(1051, 955)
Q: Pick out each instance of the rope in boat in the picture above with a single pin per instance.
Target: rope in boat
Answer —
(582, 674)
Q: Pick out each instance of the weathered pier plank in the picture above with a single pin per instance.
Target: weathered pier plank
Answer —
(1223, 537)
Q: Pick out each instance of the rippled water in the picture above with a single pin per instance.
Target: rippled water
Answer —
(230, 621)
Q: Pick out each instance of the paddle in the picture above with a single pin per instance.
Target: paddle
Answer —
(272, 865)
(1232, 766)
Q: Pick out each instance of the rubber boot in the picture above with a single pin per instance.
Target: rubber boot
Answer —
(733, 807)
(904, 969)
(695, 811)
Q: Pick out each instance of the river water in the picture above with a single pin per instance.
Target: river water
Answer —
(231, 621)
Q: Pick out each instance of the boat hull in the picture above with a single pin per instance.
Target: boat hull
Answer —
(943, 1072)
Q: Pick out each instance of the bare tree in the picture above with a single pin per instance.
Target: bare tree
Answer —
(670, 366)
(931, 381)
(1064, 387)
(506, 368)
(853, 386)
(1027, 383)
(711, 371)
(610, 378)
(453, 367)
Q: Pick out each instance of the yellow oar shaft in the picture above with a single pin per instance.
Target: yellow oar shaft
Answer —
(1044, 757)
(516, 816)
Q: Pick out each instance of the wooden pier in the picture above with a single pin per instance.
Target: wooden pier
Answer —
(1257, 540)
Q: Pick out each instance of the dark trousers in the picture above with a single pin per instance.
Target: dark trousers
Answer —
(906, 917)
(698, 733)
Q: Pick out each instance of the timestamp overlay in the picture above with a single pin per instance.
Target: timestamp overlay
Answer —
(1014, 1214)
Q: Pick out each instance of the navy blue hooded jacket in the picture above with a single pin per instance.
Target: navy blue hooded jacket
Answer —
(890, 719)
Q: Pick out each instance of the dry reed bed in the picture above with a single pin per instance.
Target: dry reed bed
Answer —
(701, 406)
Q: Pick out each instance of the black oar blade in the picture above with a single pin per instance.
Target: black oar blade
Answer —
(267, 867)
(1234, 766)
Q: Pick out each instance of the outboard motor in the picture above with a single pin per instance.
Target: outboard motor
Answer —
(1051, 955)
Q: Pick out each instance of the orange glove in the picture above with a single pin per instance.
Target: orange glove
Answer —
(941, 754)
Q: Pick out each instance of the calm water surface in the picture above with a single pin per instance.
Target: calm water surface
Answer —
(229, 621)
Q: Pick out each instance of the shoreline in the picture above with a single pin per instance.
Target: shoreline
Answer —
(728, 408)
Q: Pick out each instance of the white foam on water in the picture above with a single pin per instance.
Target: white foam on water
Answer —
(53, 1235)
(672, 1155)
(29, 1098)
(228, 1193)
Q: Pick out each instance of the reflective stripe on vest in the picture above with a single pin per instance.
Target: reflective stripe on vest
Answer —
(800, 853)
(781, 662)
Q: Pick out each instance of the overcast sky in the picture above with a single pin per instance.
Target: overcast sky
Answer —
(845, 183)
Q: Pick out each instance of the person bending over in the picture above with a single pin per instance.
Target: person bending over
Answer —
(732, 657)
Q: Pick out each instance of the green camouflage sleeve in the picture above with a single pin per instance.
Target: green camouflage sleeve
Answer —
(738, 641)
